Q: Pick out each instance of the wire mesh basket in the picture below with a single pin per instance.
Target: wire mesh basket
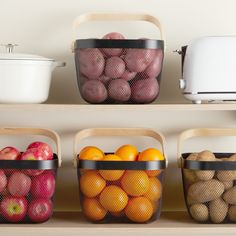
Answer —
(209, 180)
(119, 70)
(120, 191)
(27, 187)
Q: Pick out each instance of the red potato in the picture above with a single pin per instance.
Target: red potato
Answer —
(115, 67)
(82, 80)
(113, 51)
(127, 75)
(119, 90)
(144, 91)
(137, 60)
(91, 62)
(154, 69)
(94, 91)
(104, 79)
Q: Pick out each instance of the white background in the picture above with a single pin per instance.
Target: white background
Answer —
(45, 28)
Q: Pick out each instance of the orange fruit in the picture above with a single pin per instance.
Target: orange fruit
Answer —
(127, 153)
(151, 154)
(112, 157)
(155, 206)
(91, 153)
(113, 198)
(153, 173)
(135, 183)
(139, 209)
(155, 190)
(93, 210)
(91, 184)
(111, 175)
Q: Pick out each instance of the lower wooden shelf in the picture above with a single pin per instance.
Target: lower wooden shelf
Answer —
(73, 223)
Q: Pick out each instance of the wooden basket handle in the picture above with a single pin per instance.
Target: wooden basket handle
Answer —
(111, 132)
(35, 131)
(119, 16)
(201, 132)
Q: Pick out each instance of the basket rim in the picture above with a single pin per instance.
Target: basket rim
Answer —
(208, 165)
(119, 43)
(29, 164)
(121, 165)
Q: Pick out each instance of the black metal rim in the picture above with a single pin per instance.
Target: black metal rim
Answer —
(208, 165)
(119, 43)
(121, 165)
(34, 165)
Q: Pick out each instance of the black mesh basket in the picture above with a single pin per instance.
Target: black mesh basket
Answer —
(120, 191)
(27, 187)
(121, 71)
(209, 186)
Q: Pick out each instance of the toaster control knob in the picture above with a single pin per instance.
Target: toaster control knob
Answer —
(182, 84)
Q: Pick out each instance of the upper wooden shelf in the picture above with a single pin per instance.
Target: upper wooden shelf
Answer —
(154, 107)
(170, 223)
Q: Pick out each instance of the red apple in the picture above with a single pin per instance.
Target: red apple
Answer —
(33, 154)
(9, 172)
(3, 181)
(32, 172)
(13, 209)
(44, 147)
(9, 153)
(43, 186)
(4, 193)
(19, 184)
(40, 209)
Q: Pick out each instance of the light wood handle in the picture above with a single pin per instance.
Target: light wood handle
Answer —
(112, 132)
(119, 16)
(35, 131)
(204, 132)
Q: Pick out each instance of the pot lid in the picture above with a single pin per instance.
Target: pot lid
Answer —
(9, 55)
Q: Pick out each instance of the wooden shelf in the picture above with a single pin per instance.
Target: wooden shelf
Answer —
(154, 107)
(66, 224)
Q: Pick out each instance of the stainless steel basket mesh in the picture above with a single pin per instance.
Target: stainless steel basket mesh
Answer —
(130, 195)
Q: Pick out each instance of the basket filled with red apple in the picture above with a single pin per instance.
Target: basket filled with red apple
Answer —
(116, 69)
(27, 183)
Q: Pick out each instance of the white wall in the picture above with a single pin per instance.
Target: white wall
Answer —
(45, 28)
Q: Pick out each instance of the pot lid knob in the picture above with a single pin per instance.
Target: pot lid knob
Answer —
(9, 47)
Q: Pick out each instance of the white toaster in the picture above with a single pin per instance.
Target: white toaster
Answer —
(209, 69)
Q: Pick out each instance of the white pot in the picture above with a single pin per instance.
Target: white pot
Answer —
(25, 78)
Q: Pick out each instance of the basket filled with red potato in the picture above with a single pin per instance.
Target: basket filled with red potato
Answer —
(28, 178)
(209, 180)
(118, 70)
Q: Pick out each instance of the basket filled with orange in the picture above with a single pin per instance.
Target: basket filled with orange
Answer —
(124, 186)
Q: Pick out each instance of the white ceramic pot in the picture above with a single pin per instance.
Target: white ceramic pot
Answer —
(25, 78)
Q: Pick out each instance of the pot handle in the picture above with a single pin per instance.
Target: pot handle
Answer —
(119, 16)
(35, 131)
(204, 132)
(58, 64)
(112, 132)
